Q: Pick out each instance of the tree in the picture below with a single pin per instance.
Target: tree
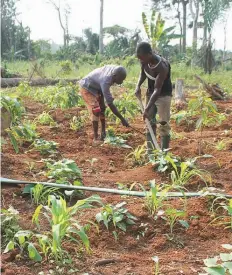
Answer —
(156, 33)
(92, 41)
(41, 48)
(15, 38)
(101, 46)
(63, 22)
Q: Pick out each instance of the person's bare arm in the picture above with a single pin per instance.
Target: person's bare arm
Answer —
(142, 78)
(116, 112)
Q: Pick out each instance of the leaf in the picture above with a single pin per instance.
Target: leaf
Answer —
(225, 257)
(35, 217)
(215, 270)
(227, 246)
(9, 246)
(211, 262)
(33, 253)
(28, 188)
(184, 223)
(228, 265)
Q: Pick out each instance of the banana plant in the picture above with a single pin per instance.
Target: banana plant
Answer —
(159, 36)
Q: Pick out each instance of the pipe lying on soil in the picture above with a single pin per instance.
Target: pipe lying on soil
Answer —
(115, 191)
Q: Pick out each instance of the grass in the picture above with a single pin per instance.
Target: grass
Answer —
(179, 70)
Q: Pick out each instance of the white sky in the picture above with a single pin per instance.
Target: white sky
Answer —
(41, 17)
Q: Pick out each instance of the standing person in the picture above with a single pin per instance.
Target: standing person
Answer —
(159, 93)
(95, 90)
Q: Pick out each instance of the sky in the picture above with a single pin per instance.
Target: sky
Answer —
(42, 19)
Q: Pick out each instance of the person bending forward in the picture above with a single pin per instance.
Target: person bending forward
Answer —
(95, 90)
(159, 93)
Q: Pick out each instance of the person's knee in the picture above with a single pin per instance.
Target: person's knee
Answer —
(164, 128)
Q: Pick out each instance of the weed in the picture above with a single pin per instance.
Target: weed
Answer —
(77, 123)
(116, 215)
(40, 193)
(24, 88)
(222, 145)
(114, 140)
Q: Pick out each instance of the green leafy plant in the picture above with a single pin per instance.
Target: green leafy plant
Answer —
(40, 193)
(222, 264)
(114, 140)
(222, 145)
(19, 134)
(59, 96)
(9, 224)
(45, 119)
(138, 155)
(66, 67)
(14, 107)
(117, 215)
(24, 88)
(182, 174)
(45, 147)
(23, 240)
(63, 225)
(156, 263)
(64, 171)
(77, 123)
(173, 215)
(155, 198)
(226, 218)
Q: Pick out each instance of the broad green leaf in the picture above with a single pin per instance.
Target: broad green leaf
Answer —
(184, 223)
(27, 189)
(225, 257)
(211, 262)
(227, 246)
(215, 270)
(228, 265)
(33, 253)
(9, 246)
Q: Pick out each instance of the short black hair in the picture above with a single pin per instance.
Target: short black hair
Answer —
(144, 48)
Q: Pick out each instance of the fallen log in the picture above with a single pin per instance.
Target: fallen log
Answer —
(14, 82)
(214, 90)
(180, 100)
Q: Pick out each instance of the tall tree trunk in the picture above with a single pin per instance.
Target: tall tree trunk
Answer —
(205, 31)
(101, 27)
(180, 25)
(195, 21)
(184, 3)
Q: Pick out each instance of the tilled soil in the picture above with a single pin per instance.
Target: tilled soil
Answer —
(133, 252)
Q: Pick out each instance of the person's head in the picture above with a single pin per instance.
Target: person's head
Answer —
(144, 52)
(119, 75)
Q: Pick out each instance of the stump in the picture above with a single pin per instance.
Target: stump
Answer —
(5, 120)
(180, 100)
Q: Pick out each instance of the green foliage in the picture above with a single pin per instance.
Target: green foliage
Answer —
(45, 147)
(77, 123)
(66, 67)
(19, 134)
(24, 88)
(23, 240)
(185, 171)
(40, 193)
(114, 140)
(155, 197)
(45, 119)
(9, 225)
(14, 107)
(59, 96)
(117, 215)
(221, 265)
(173, 215)
(138, 155)
(64, 171)
(63, 225)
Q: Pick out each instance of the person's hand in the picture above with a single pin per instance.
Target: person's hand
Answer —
(124, 122)
(145, 114)
(138, 92)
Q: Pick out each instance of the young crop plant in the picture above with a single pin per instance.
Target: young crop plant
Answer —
(63, 225)
(114, 140)
(221, 265)
(19, 134)
(24, 241)
(24, 89)
(59, 96)
(77, 123)
(45, 147)
(14, 107)
(138, 156)
(64, 171)
(9, 225)
(40, 193)
(185, 171)
(45, 119)
(116, 216)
